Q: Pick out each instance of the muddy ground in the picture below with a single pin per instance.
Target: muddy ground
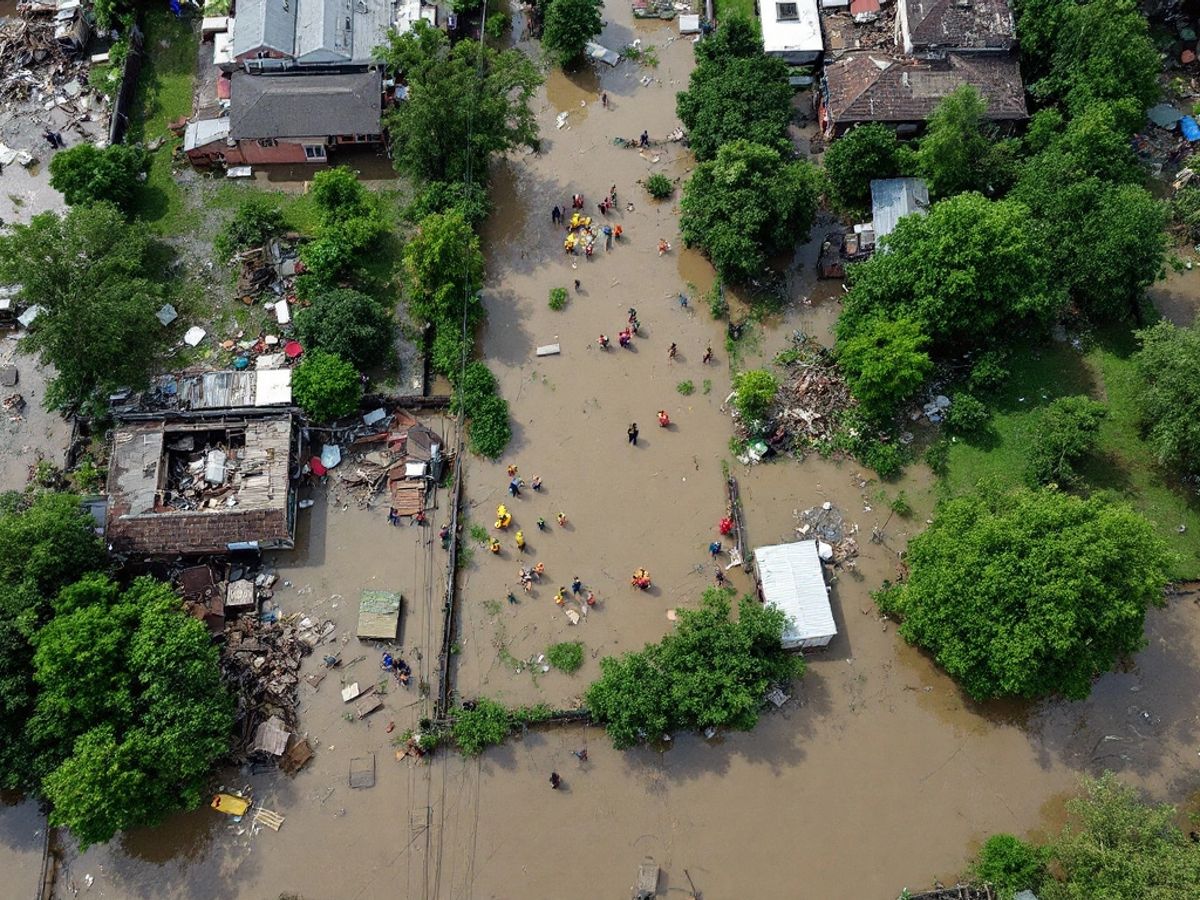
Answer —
(876, 775)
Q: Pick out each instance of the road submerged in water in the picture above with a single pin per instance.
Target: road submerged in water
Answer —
(878, 774)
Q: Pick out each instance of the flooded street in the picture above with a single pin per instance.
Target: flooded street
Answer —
(877, 775)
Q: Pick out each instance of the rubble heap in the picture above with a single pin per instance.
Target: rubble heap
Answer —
(810, 400)
(260, 661)
(827, 525)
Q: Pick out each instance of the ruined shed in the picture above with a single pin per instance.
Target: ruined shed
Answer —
(202, 485)
(894, 198)
(379, 616)
(790, 578)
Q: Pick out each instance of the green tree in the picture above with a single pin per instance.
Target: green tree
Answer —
(489, 430)
(735, 92)
(568, 26)
(474, 730)
(1117, 847)
(885, 364)
(46, 542)
(348, 324)
(955, 155)
(712, 671)
(1066, 434)
(340, 249)
(1029, 593)
(465, 104)
(746, 205)
(136, 739)
(326, 386)
(754, 392)
(1010, 865)
(252, 225)
(89, 271)
(1185, 209)
(443, 270)
(340, 196)
(863, 153)
(971, 272)
(86, 174)
(1100, 51)
(441, 196)
(1168, 395)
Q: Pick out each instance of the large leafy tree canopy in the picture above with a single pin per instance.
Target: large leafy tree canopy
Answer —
(1090, 52)
(1168, 367)
(88, 174)
(735, 92)
(1117, 847)
(135, 739)
(955, 153)
(853, 160)
(885, 364)
(569, 25)
(745, 205)
(46, 542)
(90, 273)
(711, 671)
(326, 386)
(443, 268)
(971, 270)
(348, 323)
(1029, 593)
(465, 104)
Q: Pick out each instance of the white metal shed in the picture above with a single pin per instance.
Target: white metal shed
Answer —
(791, 579)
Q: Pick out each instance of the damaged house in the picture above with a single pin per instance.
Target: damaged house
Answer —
(202, 483)
(939, 46)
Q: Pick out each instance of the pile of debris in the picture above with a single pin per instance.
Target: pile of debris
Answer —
(835, 542)
(36, 59)
(811, 400)
(260, 661)
(659, 9)
(865, 25)
(274, 267)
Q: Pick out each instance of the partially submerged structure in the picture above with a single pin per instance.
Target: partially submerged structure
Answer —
(203, 484)
(791, 30)
(894, 198)
(902, 91)
(791, 579)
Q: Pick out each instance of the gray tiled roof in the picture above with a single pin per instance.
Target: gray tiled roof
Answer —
(291, 106)
(265, 24)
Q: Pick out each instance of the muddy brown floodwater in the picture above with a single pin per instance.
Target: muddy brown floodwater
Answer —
(877, 775)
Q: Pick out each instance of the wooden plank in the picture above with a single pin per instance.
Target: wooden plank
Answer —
(368, 706)
(272, 820)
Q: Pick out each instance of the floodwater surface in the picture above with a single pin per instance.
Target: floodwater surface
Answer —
(876, 775)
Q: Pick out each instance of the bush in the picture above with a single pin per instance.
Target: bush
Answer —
(937, 457)
(349, 324)
(490, 430)
(967, 415)
(1010, 865)
(886, 459)
(446, 355)
(989, 373)
(686, 388)
(252, 225)
(339, 196)
(496, 26)
(486, 725)
(1168, 395)
(86, 174)
(659, 186)
(754, 392)
(339, 249)
(1066, 433)
(566, 657)
(326, 386)
(718, 306)
(558, 299)
(474, 387)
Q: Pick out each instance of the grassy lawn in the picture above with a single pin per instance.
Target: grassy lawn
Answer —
(722, 8)
(165, 89)
(1123, 465)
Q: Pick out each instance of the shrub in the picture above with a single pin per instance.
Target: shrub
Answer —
(900, 505)
(886, 459)
(853, 160)
(989, 372)
(1010, 865)
(1185, 209)
(754, 392)
(937, 457)
(339, 248)
(558, 299)
(348, 324)
(476, 385)
(685, 387)
(326, 386)
(475, 730)
(446, 354)
(659, 186)
(566, 657)
(252, 224)
(86, 174)
(1066, 433)
(496, 26)
(490, 430)
(339, 196)
(967, 414)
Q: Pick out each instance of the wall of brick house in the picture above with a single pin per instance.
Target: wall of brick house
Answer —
(252, 153)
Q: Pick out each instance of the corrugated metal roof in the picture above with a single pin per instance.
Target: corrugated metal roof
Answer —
(206, 131)
(894, 198)
(264, 24)
(793, 581)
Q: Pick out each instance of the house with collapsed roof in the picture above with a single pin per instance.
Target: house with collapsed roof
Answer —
(940, 45)
(301, 80)
(204, 465)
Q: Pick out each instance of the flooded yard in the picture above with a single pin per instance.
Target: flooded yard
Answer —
(876, 775)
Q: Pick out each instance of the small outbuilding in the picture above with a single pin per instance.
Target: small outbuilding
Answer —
(791, 30)
(894, 198)
(790, 578)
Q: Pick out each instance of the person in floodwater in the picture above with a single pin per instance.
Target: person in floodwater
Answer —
(672, 351)
(562, 519)
(555, 781)
(494, 546)
(603, 341)
(663, 419)
(520, 538)
(576, 586)
(707, 356)
(644, 140)
(561, 596)
(714, 549)
(541, 523)
(556, 215)
(632, 433)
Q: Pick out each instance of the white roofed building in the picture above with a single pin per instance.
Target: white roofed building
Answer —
(791, 30)
(791, 579)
